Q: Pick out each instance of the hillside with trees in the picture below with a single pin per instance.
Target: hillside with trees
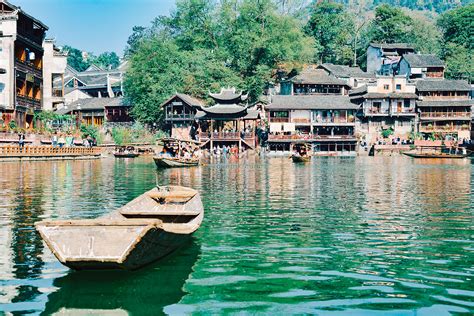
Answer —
(251, 45)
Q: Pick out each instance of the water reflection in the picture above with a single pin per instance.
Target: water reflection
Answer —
(360, 235)
(146, 291)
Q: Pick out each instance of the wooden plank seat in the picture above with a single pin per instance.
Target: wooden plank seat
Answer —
(172, 197)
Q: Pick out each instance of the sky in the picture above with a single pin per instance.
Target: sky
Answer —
(94, 26)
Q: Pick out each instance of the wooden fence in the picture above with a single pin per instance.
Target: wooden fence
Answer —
(46, 151)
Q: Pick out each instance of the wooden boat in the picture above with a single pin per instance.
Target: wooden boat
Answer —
(298, 159)
(142, 231)
(126, 155)
(125, 152)
(171, 162)
(435, 155)
(438, 152)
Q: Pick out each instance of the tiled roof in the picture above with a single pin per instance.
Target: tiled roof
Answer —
(345, 71)
(308, 102)
(317, 76)
(392, 46)
(442, 85)
(91, 104)
(224, 109)
(189, 100)
(358, 90)
(393, 95)
(423, 60)
(228, 94)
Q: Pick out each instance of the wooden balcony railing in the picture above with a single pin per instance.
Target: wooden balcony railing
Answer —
(300, 120)
(279, 119)
(446, 114)
(27, 101)
(179, 117)
(308, 137)
(47, 151)
(226, 135)
(28, 68)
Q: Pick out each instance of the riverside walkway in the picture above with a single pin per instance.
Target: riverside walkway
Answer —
(8, 153)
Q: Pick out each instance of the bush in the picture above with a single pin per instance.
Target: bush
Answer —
(89, 130)
(12, 125)
(136, 134)
(387, 132)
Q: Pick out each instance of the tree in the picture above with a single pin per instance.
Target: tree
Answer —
(457, 26)
(331, 27)
(75, 58)
(107, 60)
(203, 47)
(458, 42)
(390, 25)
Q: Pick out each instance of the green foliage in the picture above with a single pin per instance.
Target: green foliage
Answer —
(331, 26)
(75, 58)
(457, 26)
(107, 60)
(136, 134)
(203, 47)
(387, 132)
(89, 130)
(390, 25)
(458, 42)
(12, 125)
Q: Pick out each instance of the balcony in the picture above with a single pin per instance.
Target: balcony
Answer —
(444, 128)
(376, 111)
(405, 111)
(179, 117)
(335, 121)
(301, 121)
(445, 115)
(235, 136)
(310, 137)
(279, 119)
(28, 102)
(28, 67)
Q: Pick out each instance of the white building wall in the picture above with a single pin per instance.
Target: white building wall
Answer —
(52, 64)
(75, 95)
(7, 61)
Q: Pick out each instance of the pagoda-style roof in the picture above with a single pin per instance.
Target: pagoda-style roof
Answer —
(228, 96)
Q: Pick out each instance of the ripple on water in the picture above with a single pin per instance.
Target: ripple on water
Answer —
(360, 236)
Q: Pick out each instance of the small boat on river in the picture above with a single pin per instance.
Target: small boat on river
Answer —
(146, 229)
(178, 153)
(175, 162)
(125, 152)
(438, 152)
(297, 158)
(301, 154)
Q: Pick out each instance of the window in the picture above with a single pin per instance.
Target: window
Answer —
(386, 86)
(398, 87)
(377, 104)
(406, 103)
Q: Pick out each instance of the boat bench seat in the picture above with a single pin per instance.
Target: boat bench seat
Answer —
(172, 197)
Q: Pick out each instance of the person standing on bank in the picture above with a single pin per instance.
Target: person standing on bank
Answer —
(54, 140)
(61, 141)
(21, 141)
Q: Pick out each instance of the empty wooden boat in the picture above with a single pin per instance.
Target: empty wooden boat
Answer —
(142, 231)
(438, 152)
(172, 162)
(298, 159)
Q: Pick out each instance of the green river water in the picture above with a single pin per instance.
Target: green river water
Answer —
(358, 236)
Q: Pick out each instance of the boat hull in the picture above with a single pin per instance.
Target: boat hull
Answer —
(299, 159)
(146, 229)
(434, 155)
(162, 162)
(126, 155)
